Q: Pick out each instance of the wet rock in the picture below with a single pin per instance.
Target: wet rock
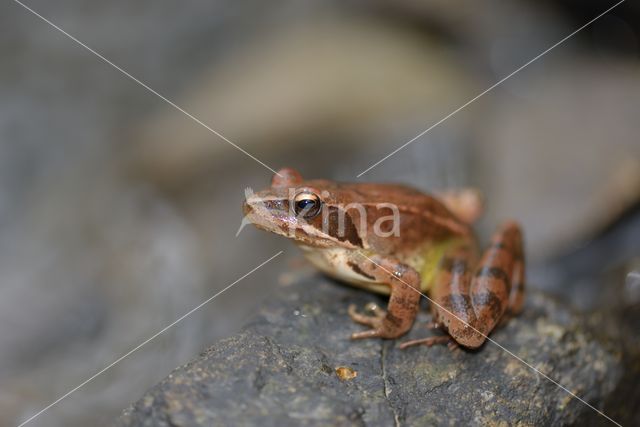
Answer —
(295, 365)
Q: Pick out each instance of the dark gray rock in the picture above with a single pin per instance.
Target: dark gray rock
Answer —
(280, 370)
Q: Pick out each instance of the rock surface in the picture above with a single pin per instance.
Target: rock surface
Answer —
(281, 370)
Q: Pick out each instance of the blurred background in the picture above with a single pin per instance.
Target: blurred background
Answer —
(118, 213)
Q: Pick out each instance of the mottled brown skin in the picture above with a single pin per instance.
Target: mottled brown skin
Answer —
(470, 297)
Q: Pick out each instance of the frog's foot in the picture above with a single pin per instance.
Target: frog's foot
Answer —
(373, 318)
(429, 341)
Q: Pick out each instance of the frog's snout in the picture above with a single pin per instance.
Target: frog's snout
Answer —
(247, 209)
(252, 208)
(266, 213)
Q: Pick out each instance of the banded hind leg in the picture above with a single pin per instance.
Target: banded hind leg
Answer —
(469, 306)
(449, 296)
(490, 293)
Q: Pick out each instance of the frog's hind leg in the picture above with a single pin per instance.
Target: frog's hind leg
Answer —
(452, 283)
(470, 307)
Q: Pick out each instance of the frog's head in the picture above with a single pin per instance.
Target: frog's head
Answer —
(306, 211)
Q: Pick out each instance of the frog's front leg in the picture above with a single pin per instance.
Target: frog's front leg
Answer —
(404, 301)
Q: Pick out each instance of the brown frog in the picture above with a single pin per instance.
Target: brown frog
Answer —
(396, 240)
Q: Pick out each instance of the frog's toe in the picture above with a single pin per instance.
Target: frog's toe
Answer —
(373, 309)
(371, 333)
(364, 319)
(429, 341)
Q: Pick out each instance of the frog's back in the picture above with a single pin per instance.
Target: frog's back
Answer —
(421, 221)
(426, 228)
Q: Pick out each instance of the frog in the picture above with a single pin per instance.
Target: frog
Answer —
(396, 240)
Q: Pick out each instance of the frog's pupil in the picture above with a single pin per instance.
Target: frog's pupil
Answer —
(303, 204)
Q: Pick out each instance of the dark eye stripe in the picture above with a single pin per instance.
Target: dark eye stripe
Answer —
(349, 231)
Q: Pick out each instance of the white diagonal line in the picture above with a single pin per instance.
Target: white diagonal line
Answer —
(144, 85)
(136, 348)
(524, 362)
(490, 88)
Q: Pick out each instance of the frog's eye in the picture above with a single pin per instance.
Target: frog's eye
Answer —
(307, 204)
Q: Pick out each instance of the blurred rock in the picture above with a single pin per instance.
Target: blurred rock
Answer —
(484, 30)
(281, 370)
(332, 86)
(632, 287)
(607, 257)
(562, 152)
